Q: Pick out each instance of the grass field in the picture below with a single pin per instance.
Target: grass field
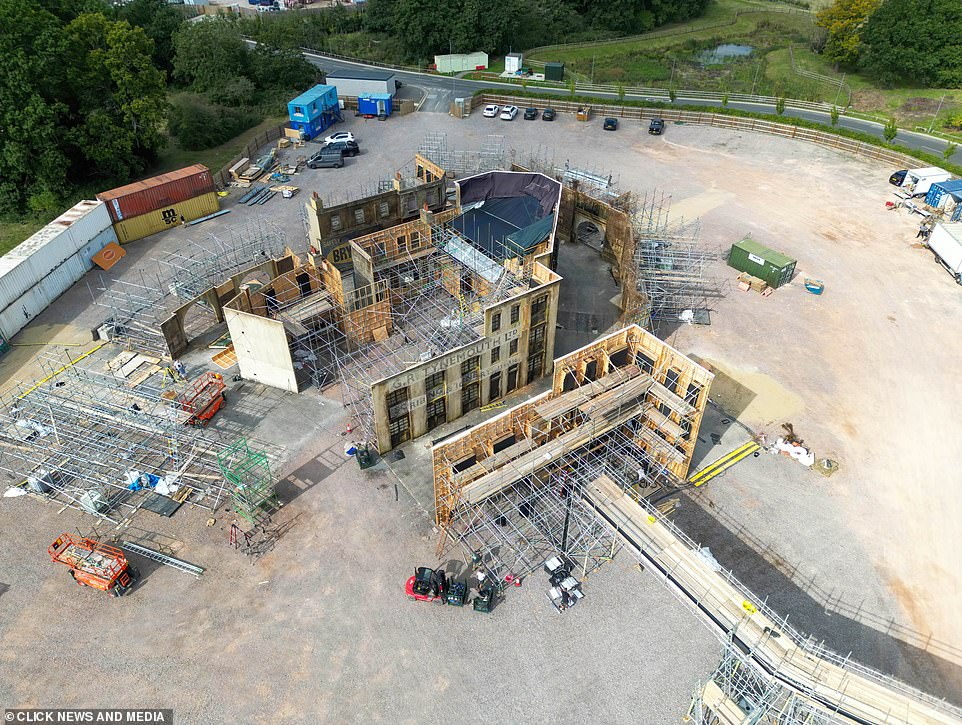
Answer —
(669, 57)
(12, 233)
(174, 157)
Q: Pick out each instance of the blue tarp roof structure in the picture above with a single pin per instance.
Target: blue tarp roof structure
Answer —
(493, 222)
(953, 186)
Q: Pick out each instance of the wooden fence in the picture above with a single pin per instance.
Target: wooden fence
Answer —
(222, 177)
(719, 120)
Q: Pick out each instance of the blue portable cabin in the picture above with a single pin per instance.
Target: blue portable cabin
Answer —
(943, 192)
(375, 104)
(314, 110)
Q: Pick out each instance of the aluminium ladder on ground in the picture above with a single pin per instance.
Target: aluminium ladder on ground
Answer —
(161, 558)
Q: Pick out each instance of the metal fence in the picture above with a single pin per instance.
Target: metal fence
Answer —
(719, 120)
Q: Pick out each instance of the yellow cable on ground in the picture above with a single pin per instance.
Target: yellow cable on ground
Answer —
(57, 372)
(723, 464)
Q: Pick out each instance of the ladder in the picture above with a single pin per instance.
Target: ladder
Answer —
(160, 558)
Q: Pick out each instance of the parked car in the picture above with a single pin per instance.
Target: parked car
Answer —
(326, 159)
(530, 114)
(611, 124)
(491, 111)
(898, 178)
(547, 114)
(342, 136)
(346, 148)
(508, 113)
(656, 127)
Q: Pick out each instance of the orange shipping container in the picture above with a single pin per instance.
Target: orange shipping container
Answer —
(138, 227)
(157, 192)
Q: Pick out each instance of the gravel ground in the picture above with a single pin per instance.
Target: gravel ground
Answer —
(319, 629)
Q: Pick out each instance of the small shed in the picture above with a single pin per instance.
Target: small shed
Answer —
(357, 82)
(512, 62)
(376, 104)
(554, 71)
(314, 110)
(760, 261)
(457, 62)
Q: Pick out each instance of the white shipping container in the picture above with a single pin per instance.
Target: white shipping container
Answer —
(29, 262)
(16, 316)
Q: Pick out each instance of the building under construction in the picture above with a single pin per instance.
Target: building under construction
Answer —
(573, 474)
(431, 319)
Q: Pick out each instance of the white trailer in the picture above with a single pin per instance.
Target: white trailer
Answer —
(946, 242)
(918, 181)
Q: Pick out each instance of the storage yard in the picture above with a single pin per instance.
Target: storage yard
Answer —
(431, 357)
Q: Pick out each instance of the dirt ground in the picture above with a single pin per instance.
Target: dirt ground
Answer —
(318, 628)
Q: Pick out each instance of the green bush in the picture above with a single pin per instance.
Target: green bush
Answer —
(197, 124)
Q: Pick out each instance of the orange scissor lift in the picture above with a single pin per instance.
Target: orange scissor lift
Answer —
(203, 397)
(93, 564)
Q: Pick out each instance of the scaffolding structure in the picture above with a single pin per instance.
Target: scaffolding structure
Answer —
(248, 471)
(86, 440)
(599, 184)
(418, 298)
(136, 309)
(489, 157)
(598, 428)
(673, 279)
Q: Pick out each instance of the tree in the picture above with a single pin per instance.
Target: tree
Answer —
(672, 95)
(195, 123)
(118, 95)
(890, 130)
(915, 41)
(949, 151)
(161, 21)
(835, 115)
(33, 163)
(843, 21)
(209, 54)
(780, 106)
(572, 87)
(724, 100)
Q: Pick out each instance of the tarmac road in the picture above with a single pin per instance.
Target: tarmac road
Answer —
(436, 93)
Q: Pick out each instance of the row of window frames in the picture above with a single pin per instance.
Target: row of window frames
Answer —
(383, 210)
(537, 314)
(396, 398)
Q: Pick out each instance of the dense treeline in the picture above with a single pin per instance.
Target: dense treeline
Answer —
(91, 93)
(897, 41)
(80, 99)
(415, 30)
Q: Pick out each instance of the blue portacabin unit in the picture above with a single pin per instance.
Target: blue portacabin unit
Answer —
(375, 104)
(314, 111)
(937, 192)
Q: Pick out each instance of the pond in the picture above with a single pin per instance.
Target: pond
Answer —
(723, 53)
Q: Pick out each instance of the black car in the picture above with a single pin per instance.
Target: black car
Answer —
(347, 148)
(611, 124)
(325, 159)
(547, 114)
(530, 114)
(898, 177)
(656, 127)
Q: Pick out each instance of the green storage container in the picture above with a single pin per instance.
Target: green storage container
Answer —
(554, 71)
(760, 261)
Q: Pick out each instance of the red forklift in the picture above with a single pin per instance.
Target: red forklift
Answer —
(93, 564)
(428, 585)
(203, 398)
